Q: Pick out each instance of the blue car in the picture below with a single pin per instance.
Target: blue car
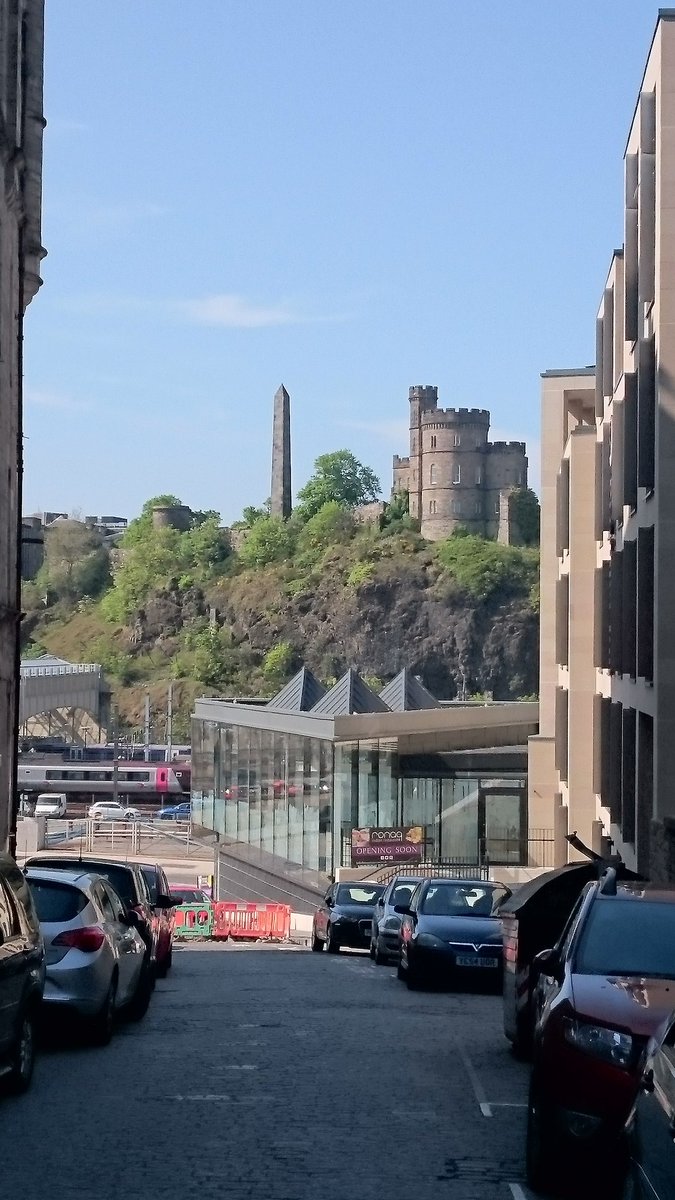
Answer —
(177, 812)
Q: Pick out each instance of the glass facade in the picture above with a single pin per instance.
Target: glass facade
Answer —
(296, 799)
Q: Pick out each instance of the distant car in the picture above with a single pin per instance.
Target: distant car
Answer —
(651, 1127)
(346, 916)
(175, 812)
(94, 953)
(22, 976)
(158, 887)
(384, 938)
(188, 895)
(128, 881)
(603, 991)
(51, 804)
(451, 931)
(111, 810)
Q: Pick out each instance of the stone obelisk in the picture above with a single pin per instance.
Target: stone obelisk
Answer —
(281, 455)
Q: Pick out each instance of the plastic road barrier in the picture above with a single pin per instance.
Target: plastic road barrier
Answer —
(236, 919)
(193, 921)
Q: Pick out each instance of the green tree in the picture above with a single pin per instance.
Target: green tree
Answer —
(270, 540)
(76, 562)
(278, 662)
(331, 524)
(526, 513)
(338, 478)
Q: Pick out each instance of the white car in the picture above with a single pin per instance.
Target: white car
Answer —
(111, 810)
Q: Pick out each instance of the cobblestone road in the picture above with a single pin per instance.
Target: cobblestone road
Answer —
(275, 1074)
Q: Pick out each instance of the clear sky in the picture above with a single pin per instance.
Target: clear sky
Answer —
(348, 198)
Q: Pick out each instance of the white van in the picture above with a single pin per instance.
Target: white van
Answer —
(51, 804)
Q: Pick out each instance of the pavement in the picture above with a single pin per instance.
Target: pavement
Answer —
(265, 1073)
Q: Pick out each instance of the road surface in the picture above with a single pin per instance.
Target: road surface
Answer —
(278, 1074)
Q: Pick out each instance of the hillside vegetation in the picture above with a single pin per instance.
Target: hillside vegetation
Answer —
(320, 588)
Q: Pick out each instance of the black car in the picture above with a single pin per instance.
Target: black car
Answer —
(451, 931)
(651, 1126)
(129, 882)
(346, 916)
(22, 976)
(385, 940)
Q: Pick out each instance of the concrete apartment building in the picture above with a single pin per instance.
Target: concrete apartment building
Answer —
(21, 126)
(453, 474)
(603, 763)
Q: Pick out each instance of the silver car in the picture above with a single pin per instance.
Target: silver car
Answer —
(384, 940)
(94, 954)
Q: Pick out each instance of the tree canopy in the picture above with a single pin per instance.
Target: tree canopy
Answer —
(338, 478)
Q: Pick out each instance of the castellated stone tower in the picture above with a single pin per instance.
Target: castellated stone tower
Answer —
(453, 474)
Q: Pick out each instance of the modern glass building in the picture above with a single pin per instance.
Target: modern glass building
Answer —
(285, 783)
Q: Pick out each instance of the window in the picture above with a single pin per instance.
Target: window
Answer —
(433, 441)
(497, 508)
(109, 909)
(432, 473)
(56, 901)
(457, 507)
(479, 476)
(456, 473)
(478, 508)
(432, 507)
(456, 439)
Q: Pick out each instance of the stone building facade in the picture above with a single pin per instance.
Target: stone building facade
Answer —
(454, 475)
(21, 126)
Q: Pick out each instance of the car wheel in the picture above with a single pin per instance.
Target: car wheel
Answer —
(101, 1026)
(413, 979)
(317, 944)
(541, 1160)
(23, 1056)
(140, 1002)
(381, 959)
(164, 966)
(372, 951)
(332, 946)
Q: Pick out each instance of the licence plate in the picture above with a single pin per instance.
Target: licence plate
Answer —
(474, 960)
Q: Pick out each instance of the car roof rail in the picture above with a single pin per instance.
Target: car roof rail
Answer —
(608, 882)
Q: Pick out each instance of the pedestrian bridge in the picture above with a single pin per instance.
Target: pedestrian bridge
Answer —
(61, 698)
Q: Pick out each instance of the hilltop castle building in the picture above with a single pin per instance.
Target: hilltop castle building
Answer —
(454, 476)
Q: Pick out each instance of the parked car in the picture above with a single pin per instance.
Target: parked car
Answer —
(650, 1131)
(128, 881)
(175, 812)
(159, 891)
(94, 953)
(111, 810)
(22, 976)
(51, 804)
(603, 991)
(450, 931)
(346, 916)
(188, 895)
(384, 938)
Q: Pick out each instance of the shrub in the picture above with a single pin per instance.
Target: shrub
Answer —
(360, 573)
(278, 661)
(483, 568)
(270, 540)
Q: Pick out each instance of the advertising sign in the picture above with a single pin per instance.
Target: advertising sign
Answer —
(402, 843)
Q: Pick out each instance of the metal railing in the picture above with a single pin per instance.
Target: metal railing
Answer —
(69, 669)
(441, 869)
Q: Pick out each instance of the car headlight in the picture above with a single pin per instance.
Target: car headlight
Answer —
(428, 942)
(608, 1044)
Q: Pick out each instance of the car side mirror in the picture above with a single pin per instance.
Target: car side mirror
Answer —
(329, 902)
(403, 909)
(175, 901)
(164, 901)
(547, 962)
(130, 918)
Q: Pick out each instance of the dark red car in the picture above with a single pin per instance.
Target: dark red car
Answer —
(603, 991)
(164, 916)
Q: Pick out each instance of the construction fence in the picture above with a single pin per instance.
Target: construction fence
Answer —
(225, 919)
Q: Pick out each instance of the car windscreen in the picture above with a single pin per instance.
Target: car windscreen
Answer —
(57, 902)
(628, 937)
(120, 878)
(358, 893)
(461, 900)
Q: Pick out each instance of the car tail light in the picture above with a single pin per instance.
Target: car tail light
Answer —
(87, 938)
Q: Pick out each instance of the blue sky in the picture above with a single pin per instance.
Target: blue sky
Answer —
(348, 198)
